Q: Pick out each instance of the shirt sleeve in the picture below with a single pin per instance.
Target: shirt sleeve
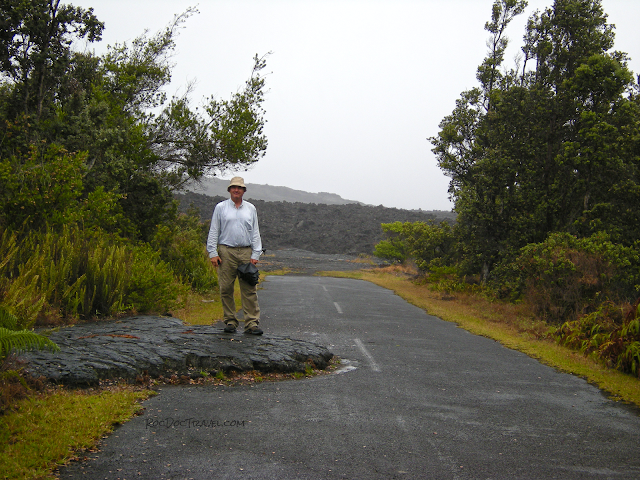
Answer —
(214, 232)
(256, 241)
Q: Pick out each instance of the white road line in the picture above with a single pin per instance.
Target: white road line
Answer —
(324, 288)
(372, 362)
(337, 307)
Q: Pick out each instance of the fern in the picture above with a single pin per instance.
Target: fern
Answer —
(7, 319)
(22, 340)
(19, 340)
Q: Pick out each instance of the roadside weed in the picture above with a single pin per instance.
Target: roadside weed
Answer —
(50, 429)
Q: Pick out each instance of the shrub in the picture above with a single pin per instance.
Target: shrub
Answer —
(107, 276)
(18, 279)
(393, 248)
(70, 272)
(565, 276)
(448, 280)
(430, 245)
(65, 272)
(181, 246)
(41, 186)
(607, 335)
(152, 285)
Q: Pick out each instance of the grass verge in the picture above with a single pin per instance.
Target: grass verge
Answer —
(511, 325)
(48, 430)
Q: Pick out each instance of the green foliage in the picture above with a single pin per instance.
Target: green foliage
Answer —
(393, 248)
(106, 278)
(45, 187)
(22, 340)
(428, 244)
(152, 286)
(489, 75)
(181, 246)
(8, 249)
(42, 186)
(35, 49)
(607, 335)
(73, 272)
(565, 276)
(57, 273)
(12, 339)
(7, 319)
(431, 245)
(129, 148)
(448, 279)
(90, 154)
(18, 283)
(549, 146)
(102, 210)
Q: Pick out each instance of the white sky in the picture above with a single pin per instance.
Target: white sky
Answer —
(355, 86)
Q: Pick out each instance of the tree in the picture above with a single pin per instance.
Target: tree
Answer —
(464, 152)
(228, 136)
(35, 48)
(537, 151)
(138, 146)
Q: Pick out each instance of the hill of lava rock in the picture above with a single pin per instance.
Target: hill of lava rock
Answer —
(346, 229)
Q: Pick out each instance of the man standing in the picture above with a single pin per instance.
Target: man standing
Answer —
(234, 239)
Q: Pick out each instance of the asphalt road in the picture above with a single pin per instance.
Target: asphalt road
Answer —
(417, 398)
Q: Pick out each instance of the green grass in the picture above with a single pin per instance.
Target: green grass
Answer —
(511, 325)
(204, 309)
(49, 430)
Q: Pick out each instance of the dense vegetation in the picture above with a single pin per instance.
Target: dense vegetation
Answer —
(544, 164)
(91, 151)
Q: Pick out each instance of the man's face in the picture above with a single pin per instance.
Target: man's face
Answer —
(236, 193)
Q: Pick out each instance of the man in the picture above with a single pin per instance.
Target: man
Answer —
(234, 239)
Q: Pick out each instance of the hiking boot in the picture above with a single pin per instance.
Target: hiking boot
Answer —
(229, 329)
(253, 331)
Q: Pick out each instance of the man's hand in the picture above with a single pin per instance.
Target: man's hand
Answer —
(216, 261)
(255, 262)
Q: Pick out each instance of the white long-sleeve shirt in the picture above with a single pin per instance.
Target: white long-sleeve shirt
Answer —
(235, 227)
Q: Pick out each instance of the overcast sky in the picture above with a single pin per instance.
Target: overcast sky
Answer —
(355, 87)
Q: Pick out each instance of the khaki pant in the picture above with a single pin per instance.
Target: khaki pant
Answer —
(231, 257)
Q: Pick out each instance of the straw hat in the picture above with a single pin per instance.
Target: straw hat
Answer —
(237, 182)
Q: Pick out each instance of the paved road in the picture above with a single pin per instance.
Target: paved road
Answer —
(418, 398)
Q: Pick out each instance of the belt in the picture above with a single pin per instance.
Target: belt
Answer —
(241, 246)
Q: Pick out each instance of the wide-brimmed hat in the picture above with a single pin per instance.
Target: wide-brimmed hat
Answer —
(237, 182)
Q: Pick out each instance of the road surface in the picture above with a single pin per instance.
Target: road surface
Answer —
(416, 397)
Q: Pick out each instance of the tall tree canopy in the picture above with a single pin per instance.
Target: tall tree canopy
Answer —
(109, 117)
(551, 145)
